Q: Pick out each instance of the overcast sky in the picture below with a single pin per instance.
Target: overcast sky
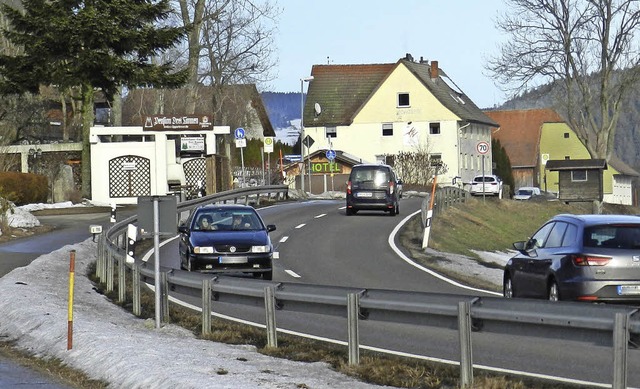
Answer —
(459, 34)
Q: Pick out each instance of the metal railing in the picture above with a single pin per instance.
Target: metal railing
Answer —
(466, 313)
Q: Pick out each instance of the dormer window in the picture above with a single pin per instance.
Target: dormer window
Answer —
(403, 100)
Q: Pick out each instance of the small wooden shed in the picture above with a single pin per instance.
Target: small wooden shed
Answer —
(579, 179)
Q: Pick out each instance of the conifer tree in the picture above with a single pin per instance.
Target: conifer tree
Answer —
(88, 45)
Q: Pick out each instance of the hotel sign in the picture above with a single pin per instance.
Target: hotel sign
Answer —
(160, 123)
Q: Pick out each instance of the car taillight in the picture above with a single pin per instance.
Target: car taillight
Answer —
(391, 187)
(590, 260)
(348, 187)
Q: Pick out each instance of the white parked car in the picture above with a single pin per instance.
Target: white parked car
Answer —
(489, 185)
(526, 192)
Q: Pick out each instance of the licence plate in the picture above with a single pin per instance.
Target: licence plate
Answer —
(624, 290)
(232, 259)
(365, 194)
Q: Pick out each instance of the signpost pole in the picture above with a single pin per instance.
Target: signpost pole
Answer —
(483, 148)
(156, 259)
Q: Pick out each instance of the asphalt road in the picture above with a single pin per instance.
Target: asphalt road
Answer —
(319, 244)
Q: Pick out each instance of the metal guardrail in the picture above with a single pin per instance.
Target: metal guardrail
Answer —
(614, 324)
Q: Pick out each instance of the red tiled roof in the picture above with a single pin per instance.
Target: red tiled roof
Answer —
(519, 133)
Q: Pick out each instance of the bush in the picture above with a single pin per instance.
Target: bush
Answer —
(23, 188)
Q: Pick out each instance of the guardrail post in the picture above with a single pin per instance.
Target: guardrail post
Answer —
(135, 286)
(100, 254)
(464, 332)
(353, 309)
(122, 280)
(164, 296)
(270, 312)
(206, 307)
(110, 266)
(102, 259)
(620, 345)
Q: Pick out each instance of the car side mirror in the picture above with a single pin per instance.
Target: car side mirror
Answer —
(271, 227)
(183, 229)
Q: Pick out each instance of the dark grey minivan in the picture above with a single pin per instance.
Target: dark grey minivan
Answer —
(373, 187)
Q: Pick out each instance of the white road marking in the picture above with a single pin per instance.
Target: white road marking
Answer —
(292, 273)
(321, 215)
(300, 225)
(276, 255)
(284, 239)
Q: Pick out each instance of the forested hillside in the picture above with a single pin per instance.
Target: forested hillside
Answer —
(281, 107)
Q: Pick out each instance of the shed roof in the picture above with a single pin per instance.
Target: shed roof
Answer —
(573, 164)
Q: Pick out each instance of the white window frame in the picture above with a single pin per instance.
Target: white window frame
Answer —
(387, 126)
(408, 98)
(586, 175)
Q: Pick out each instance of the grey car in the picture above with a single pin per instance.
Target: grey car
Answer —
(592, 258)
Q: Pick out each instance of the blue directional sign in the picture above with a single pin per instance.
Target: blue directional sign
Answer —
(331, 155)
(239, 133)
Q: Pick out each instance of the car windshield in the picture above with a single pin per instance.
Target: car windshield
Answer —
(524, 192)
(613, 236)
(484, 178)
(226, 220)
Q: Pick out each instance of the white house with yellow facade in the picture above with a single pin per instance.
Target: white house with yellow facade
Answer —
(375, 111)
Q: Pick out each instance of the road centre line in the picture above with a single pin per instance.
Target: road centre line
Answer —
(284, 239)
(300, 226)
(319, 216)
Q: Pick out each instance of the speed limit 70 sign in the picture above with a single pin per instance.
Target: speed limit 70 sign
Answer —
(482, 147)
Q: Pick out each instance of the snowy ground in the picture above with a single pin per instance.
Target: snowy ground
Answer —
(112, 345)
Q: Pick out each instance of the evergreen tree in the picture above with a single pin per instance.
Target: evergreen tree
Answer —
(503, 164)
(84, 45)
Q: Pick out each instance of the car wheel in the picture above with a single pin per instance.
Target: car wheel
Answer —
(268, 275)
(398, 209)
(553, 293)
(507, 287)
(349, 211)
(392, 211)
(188, 267)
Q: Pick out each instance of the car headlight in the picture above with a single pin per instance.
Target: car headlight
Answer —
(203, 250)
(260, 249)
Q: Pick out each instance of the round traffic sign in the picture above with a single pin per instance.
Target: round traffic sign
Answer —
(331, 155)
(239, 133)
(482, 147)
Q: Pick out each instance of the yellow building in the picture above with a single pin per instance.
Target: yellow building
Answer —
(376, 111)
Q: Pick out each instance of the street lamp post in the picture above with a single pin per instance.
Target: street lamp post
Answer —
(302, 81)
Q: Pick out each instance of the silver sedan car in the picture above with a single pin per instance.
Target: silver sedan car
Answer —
(592, 258)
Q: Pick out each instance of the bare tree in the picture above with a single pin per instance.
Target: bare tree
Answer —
(238, 45)
(589, 48)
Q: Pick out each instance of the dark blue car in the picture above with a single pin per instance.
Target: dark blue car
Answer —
(224, 238)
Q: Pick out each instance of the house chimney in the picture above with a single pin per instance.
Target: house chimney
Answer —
(434, 69)
(408, 57)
